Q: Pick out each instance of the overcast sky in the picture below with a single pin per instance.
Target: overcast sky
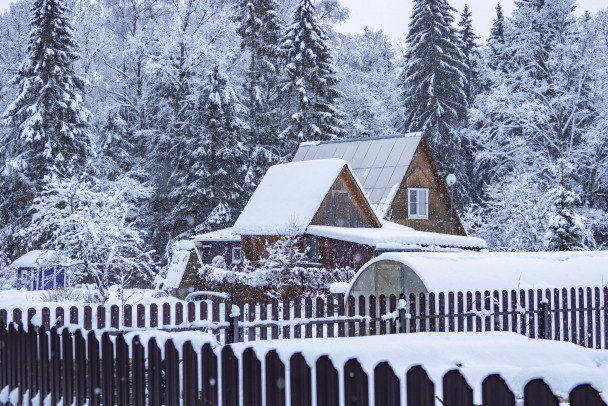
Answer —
(392, 16)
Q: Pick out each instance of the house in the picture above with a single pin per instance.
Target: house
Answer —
(399, 176)
(323, 204)
(44, 269)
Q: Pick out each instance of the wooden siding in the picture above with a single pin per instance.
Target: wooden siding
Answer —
(345, 205)
(423, 173)
(254, 246)
(339, 254)
(210, 249)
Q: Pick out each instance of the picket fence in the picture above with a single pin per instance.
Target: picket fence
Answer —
(578, 315)
(75, 369)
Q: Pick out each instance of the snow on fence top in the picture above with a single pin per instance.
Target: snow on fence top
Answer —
(463, 271)
(396, 236)
(288, 197)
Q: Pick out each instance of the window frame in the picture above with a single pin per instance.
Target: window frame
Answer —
(409, 204)
(234, 249)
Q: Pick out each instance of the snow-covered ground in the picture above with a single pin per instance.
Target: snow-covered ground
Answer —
(517, 359)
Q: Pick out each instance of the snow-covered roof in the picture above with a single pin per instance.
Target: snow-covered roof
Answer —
(225, 234)
(178, 263)
(41, 258)
(396, 236)
(464, 271)
(288, 197)
(380, 163)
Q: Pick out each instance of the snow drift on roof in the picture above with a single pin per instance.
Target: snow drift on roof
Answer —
(288, 197)
(40, 258)
(225, 234)
(443, 272)
(380, 163)
(397, 234)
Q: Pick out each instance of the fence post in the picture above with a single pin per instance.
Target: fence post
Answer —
(402, 319)
(232, 333)
(543, 318)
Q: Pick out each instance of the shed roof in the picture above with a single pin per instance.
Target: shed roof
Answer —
(397, 236)
(178, 262)
(380, 163)
(463, 271)
(41, 258)
(288, 197)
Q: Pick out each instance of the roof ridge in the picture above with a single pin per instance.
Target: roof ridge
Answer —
(380, 137)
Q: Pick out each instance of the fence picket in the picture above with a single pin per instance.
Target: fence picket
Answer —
(362, 329)
(566, 331)
(67, 364)
(275, 380)
(141, 316)
(286, 316)
(351, 313)
(556, 315)
(341, 325)
(442, 312)
(573, 315)
(171, 382)
(598, 325)
(275, 316)
(420, 388)
(523, 316)
(166, 315)
(495, 315)
(230, 378)
(127, 316)
(139, 371)
(456, 390)
(371, 328)
(59, 317)
(495, 392)
(209, 376)
(460, 312)
(538, 393)
(107, 370)
(251, 317)
(382, 314)
(101, 317)
(422, 311)
(549, 321)
(190, 373)
(263, 317)
(300, 381)
(355, 384)
(80, 369)
(330, 313)
(327, 383)
(297, 314)
(470, 310)
(155, 381)
(590, 335)
(585, 395)
(114, 316)
(413, 313)
(252, 378)
(487, 307)
(123, 389)
(153, 315)
(191, 309)
(308, 315)
(320, 312)
(387, 387)
(46, 318)
(582, 336)
(93, 378)
(514, 305)
(179, 314)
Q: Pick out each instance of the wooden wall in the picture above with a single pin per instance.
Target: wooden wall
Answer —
(423, 173)
(254, 246)
(339, 254)
(345, 206)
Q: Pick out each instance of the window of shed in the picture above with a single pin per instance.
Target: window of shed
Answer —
(236, 255)
(418, 204)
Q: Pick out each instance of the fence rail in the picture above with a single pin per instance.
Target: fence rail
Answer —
(75, 369)
(578, 315)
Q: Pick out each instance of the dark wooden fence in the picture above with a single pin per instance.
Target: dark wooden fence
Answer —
(72, 368)
(578, 315)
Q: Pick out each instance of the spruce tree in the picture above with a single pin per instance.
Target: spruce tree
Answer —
(209, 188)
(470, 51)
(433, 83)
(311, 78)
(261, 31)
(566, 230)
(433, 80)
(48, 117)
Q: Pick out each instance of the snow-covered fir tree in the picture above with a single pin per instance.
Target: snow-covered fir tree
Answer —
(208, 194)
(566, 229)
(433, 81)
(496, 40)
(470, 51)
(309, 87)
(48, 116)
(261, 31)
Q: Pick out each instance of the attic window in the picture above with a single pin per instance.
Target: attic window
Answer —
(418, 203)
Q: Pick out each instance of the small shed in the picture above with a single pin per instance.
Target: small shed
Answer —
(44, 269)
(397, 273)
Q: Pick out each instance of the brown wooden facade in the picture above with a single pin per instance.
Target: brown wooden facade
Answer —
(423, 173)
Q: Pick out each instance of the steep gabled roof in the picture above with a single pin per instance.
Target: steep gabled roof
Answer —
(289, 196)
(380, 163)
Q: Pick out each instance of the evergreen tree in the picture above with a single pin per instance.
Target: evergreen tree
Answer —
(497, 33)
(48, 116)
(261, 30)
(566, 229)
(470, 51)
(213, 170)
(433, 80)
(311, 78)
(46, 124)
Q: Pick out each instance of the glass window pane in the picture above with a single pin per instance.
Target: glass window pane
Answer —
(422, 205)
(413, 202)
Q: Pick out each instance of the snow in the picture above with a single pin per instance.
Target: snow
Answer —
(288, 197)
(338, 287)
(465, 271)
(225, 234)
(393, 233)
(177, 267)
(39, 258)
(517, 359)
